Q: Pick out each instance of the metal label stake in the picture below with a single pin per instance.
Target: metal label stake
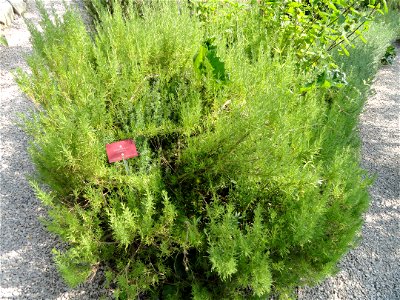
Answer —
(125, 165)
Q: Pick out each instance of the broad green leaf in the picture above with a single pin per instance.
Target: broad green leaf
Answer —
(341, 19)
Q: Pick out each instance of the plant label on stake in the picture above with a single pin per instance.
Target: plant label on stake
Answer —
(121, 150)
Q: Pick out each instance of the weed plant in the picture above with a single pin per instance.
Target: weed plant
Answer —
(245, 187)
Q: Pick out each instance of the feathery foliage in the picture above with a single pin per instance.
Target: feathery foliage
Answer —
(245, 186)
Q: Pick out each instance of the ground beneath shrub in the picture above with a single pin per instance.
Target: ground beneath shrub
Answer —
(371, 271)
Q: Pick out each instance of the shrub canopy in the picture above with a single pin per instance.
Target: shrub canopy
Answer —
(245, 184)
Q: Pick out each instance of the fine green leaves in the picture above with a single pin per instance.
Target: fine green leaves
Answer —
(247, 182)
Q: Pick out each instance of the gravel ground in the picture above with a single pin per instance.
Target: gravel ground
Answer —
(371, 271)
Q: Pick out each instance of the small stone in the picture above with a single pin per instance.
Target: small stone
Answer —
(6, 13)
(19, 6)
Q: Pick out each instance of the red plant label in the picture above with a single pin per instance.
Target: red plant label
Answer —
(121, 150)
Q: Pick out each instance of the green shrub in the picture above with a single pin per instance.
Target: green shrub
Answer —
(244, 187)
(309, 29)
